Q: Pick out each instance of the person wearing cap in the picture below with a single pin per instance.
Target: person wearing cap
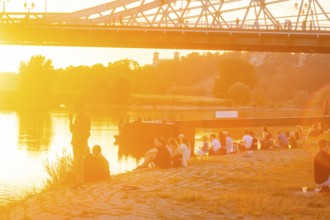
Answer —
(80, 126)
(322, 166)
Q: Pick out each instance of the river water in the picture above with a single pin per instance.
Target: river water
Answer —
(28, 140)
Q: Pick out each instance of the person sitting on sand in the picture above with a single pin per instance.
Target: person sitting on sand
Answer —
(185, 147)
(171, 145)
(230, 148)
(254, 145)
(292, 139)
(267, 139)
(299, 133)
(314, 131)
(96, 166)
(205, 148)
(322, 166)
(222, 140)
(215, 145)
(176, 156)
(320, 127)
(281, 140)
(159, 155)
(246, 142)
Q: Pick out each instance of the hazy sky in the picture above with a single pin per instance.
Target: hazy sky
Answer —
(10, 56)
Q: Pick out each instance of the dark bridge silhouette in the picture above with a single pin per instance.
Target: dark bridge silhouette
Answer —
(254, 25)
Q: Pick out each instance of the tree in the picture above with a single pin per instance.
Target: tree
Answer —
(301, 98)
(240, 93)
(36, 78)
(232, 70)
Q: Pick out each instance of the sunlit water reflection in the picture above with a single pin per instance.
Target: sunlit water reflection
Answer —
(29, 140)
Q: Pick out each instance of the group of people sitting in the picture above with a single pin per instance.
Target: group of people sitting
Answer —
(224, 144)
(166, 154)
(173, 153)
(289, 139)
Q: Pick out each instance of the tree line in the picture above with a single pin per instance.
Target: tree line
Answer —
(246, 78)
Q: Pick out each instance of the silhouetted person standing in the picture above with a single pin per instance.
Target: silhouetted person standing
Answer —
(80, 126)
(237, 22)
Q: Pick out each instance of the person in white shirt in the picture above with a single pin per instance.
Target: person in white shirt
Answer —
(185, 148)
(229, 143)
(185, 152)
(215, 145)
(246, 142)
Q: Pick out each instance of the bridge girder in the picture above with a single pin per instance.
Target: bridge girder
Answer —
(185, 24)
(170, 38)
(184, 13)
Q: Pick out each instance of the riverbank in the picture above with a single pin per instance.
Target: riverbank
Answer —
(261, 184)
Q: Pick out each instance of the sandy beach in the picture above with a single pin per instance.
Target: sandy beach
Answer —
(249, 185)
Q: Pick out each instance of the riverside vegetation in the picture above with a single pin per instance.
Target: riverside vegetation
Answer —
(232, 78)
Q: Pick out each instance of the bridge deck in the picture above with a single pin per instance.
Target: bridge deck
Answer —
(170, 38)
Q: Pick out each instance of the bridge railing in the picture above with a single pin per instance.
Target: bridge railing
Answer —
(172, 114)
(45, 19)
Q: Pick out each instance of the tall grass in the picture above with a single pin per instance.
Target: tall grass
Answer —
(61, 170)
(60, 173)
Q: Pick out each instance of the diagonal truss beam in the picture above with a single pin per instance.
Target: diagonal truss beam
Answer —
(212, 14)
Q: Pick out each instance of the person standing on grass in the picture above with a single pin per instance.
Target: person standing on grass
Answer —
(80, 126)
(322, 166)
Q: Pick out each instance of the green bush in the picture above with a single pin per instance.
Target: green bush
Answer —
(240, 93)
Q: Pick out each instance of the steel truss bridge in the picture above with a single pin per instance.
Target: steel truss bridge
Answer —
(248, 25)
